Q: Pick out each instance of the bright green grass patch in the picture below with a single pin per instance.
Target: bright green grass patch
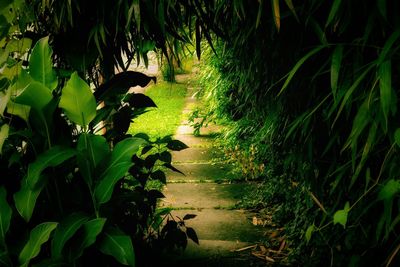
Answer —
(163, 120)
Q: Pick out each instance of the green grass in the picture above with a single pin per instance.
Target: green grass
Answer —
(163, 120)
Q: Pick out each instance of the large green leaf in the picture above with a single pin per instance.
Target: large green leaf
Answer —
(5, 215)
(119, 164)
(77, 101)
(41, 65)
(340, 216)
(51, 158)
(88, 235)
(3, 135)
(385, 86)
(35, 95)
(93, 149)
(119, 246)
(25, 198)
(39, 235)
(67, 228)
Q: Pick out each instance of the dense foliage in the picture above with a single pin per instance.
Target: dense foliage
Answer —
(313, 87)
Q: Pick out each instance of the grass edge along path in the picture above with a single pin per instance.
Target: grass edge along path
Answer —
(165, 119)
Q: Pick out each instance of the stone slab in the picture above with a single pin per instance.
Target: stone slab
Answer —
(194, 154)
(209, 130)
(195, 141)
(201, 171)
(219, 224)
(202, 195)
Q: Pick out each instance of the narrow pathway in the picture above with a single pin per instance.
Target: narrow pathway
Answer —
(206, 191)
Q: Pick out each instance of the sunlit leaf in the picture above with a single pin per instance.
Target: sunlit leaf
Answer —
(389, 190)
(119, 246)
(77, 101)
(35, 95)
(4, 99)
(5, 215)
(276, 13)
(4, 129)
(340, 216)
(67, 228)
(39, 235)
(41, 65)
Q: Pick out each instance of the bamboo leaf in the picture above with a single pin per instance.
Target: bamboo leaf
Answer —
(289, 3)
(350, 91)
(260, 9)
(41, 65)
(309, 232)
(388, 47)
(298, 65)
(67, 228)
(5, 215)
(276, 13)
(335, 68)
(77, 101)
(39, 235)
(119, 246)
(333, 12)
(385, 86)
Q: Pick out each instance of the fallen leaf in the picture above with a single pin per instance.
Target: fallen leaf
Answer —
(255, 220)
(263, 249)
(282, 246)
(269, 259)
(245, 248)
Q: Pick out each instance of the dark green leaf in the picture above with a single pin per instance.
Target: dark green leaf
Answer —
(77, 101)
(176, 145)
(385, 86)
(191, 233)
(65, 231)
(119, 246)
(140, 101)
(39, 235)
(189, 216)
(5, 260)
(333, 12)
(335, 68)
(41, 66)
(159, 175)
(309, 232)
(389, 190)
(5, 215)
(25, 198)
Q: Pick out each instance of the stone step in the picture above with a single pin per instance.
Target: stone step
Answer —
(226, 225)
(195, 154)
(209, 130)
(203, 195)
(195, 141)
(201, 171)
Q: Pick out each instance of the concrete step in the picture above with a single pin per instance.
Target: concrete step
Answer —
(219, 224)
(195, 141)
(203, 195)
(209, 130)
(195, 154)
(201, 171)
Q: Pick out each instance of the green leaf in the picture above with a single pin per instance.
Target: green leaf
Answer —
(35, 95)
(335, 68)
(93, 149)
(25, 198)
(110, 177)
(51, 158)
(5, 215)
(67, 228)
(397, 136)
(5, 260)
(4, 99)
(77, 101)
(385, 86)
(90, 231)
(309, 232)
(340, 216)
(119, 246)
(41, 65)
(388, 47)
(39, 235)
(333, 12)
(19, 110)
(290, 5)
(389, 190)
(21, 45)
(3, 135)
(176, 145)
(298, 65)
(382, 7)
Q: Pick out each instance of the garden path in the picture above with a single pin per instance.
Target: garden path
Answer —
(207, 191)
